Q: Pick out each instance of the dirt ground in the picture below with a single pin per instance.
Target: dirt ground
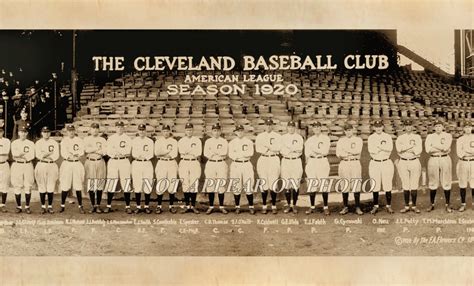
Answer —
(73, 234)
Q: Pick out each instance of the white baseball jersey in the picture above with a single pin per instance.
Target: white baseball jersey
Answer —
(22, 175)
(439, 164)
(409, 147)
(434, 142)
(71, 171)
(166, 149)
(241, 169)
(142, 149)
(95, 146)
(268, 164)
(72, 148)
(381, 168)
(465, 165)
(190, 148)
(316, 150)
(119, 148)
(291, 166)
(46, 171)
(215, 149)
(47, 150)
(349, 150)
(119, 145)
(4, 166)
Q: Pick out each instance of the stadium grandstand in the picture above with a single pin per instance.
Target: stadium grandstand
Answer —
(83, 96)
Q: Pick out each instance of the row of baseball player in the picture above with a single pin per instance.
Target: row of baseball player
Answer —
(269, 144)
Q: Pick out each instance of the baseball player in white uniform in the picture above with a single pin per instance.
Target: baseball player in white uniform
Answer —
(409, 147)
(166, 150)
(316, 150)
(291, 166)
(119, 146)
(71, 172)
(465, 165)
(95, 147)
(215, 150)
(22, 173)
(240, 151)
(348, 149)
(46, 170)
(438, 146)
(4, 169)
(142, 168)
(267, 144)
(189, 169)
(381, 169)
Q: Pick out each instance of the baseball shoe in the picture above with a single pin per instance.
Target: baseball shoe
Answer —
(43, 210)
(287, 209)
(274, 211)
(173, 210)
(107, 210)
(237, 210)
(344, 211)
(98, 210)
(183, 210)
(430, 208)
(359, 211)
(3, 209)
(50, 210)
(295, 211)
(405, 210)
(462, 208)
(223, 211)
(128, 210)
(147, 211)
(326, 212)
(374, 210)
(195, 210)
(158, 210)
(81, 210)
(18, 210)
(137, 211)
(264, 211)
(252, 211)
(209, 210)
(449, 209)
(415, 209)
(390, 210)
(92, 210)
(28, 210)
(62, 210)
(309, 211)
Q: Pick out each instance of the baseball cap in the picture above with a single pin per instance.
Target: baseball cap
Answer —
(166, 127)
(23, 128)
(348, 126)
(216, 126)
(407, 122)
(95, 125)
(70, 127)
(316, 124)
(291, 123)
(239, 128)
(188, 125)
(141, 127)
(437, 122)
(378, 123)
(268, 122)
(468, 123)
(119, 123)
(45, 129)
